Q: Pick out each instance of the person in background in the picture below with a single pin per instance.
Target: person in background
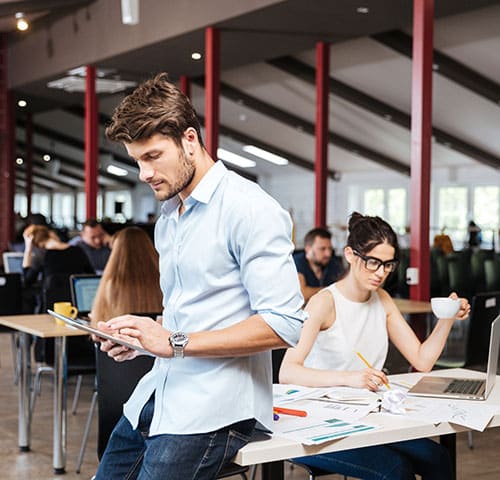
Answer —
(219, 257)
(353, 315)
(131, 279)
(59, 257)
(316, 265)
(475, 235)
(94, 241)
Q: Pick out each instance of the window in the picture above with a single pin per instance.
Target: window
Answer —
(452, 216)
(486, 212)
(63, 209)
(390, 204)
(21, 204)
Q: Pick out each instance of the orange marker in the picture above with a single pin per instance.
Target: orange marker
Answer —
(290, 411)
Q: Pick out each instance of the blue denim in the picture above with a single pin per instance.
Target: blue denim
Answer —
(393, 461)
(132, 454)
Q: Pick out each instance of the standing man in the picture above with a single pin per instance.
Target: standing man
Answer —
(316, 266)
(94, 241)
(230, 295)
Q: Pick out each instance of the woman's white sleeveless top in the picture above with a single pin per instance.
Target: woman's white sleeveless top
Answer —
(358, 327)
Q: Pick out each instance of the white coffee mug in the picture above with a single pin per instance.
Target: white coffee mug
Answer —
(445, 307)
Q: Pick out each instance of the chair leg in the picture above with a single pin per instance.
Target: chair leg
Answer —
(76, 396)
(37, 385)
(86, 432)
(14, 347)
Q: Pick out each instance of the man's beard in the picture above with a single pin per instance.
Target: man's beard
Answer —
(185, 175)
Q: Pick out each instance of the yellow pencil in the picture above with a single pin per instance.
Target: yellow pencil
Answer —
(367, 363)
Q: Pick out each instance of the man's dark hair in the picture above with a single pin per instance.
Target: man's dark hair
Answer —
(91, 222)
(316, 232)
(155, 106)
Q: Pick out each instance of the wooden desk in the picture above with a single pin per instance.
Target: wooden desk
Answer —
(42, 326)
(407, 306)
(393, 428)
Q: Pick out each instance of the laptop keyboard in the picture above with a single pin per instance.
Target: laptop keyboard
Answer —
(464, 386)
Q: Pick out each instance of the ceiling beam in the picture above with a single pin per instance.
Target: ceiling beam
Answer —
(308, 127)
(76, 164)
(444, 65)
(307, 73)
(74, 142)
(248, 140)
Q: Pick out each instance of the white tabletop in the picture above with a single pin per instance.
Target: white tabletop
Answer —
(392, 428)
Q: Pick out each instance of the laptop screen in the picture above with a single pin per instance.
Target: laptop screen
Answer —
(83, 291)
(491, 372)
(13, 262)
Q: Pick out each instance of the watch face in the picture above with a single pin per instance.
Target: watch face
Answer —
(178, 339)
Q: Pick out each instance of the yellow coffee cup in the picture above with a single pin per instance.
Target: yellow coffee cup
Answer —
(66, 309)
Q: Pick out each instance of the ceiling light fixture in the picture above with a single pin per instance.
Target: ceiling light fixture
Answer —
(21, 22)
(237, 160)
(265, 155)
(22, 103)
(363, 10)
(196, 56)
(114, 170)
(46, 157)
(19, 161)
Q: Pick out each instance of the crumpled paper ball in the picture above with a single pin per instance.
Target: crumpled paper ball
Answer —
(393, 401)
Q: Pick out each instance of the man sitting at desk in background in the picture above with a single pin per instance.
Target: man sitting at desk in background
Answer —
(94, 241)
(316, 265)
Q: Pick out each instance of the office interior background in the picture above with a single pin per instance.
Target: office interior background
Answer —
(267, 101)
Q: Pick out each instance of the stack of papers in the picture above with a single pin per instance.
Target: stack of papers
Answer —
(332, 413)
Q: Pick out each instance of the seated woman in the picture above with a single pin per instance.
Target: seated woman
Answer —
(130, 282)
(59, 257)
(357, 314)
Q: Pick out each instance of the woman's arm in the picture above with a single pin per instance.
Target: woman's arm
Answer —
(321, 309)
(421, 355)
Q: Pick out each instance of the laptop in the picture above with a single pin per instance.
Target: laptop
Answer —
(13, 262)
(464, 388)
(83, 291)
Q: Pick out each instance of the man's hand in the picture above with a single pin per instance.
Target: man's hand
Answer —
(143, 331)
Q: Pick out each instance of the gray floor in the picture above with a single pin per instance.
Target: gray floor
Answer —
(481, 463)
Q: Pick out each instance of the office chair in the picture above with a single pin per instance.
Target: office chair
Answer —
(11, 304)
(485, 307)
(80, 350)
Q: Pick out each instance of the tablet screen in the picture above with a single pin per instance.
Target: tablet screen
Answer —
(83, 325)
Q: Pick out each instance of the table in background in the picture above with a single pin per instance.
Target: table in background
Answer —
(393, 428)
(43, 326)
(417, 312)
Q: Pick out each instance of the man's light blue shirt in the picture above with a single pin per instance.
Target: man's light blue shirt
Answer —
(227, 257)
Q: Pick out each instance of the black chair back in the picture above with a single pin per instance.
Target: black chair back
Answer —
(485, 308)
(115, 383)
(11, 301)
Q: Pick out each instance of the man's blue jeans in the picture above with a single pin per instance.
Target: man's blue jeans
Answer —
(131, 454)
(394, 461)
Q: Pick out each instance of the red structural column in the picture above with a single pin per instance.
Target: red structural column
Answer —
(91, 143)
(212, 90)
(185, 85)
(29, 160)
(321, 131)
(421, 131)
(7, 165)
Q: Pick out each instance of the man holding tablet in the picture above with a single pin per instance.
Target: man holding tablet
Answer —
(231, 294)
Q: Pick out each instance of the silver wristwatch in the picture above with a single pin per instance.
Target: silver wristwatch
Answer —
(179, 340)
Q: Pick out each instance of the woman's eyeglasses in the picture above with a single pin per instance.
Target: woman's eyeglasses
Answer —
(373, 264)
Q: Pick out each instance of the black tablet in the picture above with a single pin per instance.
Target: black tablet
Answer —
(83, 325)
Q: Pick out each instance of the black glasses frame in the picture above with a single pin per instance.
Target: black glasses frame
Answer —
(389, 265)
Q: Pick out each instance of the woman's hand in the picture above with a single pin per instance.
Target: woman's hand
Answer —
(368, 378)
(464, 310)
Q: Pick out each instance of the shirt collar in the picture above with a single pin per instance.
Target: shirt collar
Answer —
(202, 192)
